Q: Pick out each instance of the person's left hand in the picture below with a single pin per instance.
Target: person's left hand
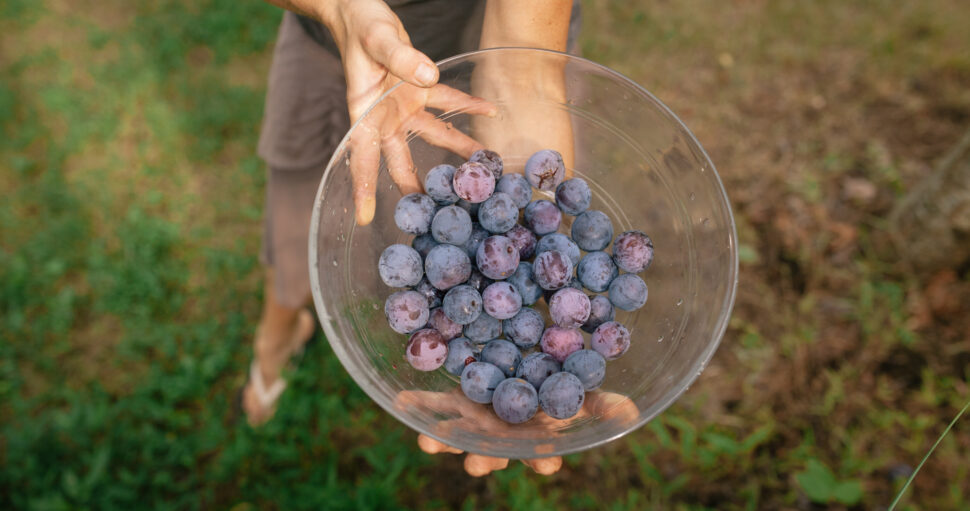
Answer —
(471, 416)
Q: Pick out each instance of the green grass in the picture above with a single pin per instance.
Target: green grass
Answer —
(130, 284)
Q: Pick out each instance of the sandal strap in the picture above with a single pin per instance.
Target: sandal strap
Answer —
(267, 397)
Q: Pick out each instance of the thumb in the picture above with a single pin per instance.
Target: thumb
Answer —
(386, 46)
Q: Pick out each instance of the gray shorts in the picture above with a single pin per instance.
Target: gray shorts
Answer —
(305, 118)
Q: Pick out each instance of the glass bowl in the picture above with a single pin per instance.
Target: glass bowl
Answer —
(646, 171)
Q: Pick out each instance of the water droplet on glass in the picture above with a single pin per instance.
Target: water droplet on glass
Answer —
(680, 302)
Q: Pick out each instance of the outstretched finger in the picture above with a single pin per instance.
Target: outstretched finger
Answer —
(545, 466)
(441, 402)
(442, 134)
(365, 161)
(399, 164)
(432, 446)
(478, 465)
(385, 44)
(448, 99)
(611, 406)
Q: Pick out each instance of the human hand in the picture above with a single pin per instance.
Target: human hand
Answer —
(471, 416)
(377, 55)
(526, 89)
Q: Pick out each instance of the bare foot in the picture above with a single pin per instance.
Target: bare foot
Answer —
(273, 348)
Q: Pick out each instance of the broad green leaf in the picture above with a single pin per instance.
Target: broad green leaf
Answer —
(816, 481)
(848, 492)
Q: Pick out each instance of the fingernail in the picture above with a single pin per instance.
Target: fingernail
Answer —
(365, 211)
(426, 74)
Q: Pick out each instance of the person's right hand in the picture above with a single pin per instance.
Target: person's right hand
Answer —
(377, 54)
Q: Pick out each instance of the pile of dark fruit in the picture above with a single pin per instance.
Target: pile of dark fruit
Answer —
(470, 282)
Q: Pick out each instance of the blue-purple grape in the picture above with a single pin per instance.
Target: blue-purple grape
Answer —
(498, 213)
(478, 381)
(479, 234)
(491, 160)
(525, 285)
(501, 300)
(592, 230)
(406, 311)
(451, 225)
(628, 292)
(545, 170)
(573, 196)
(524, 241)
(600, 311)
(433, 294)
(561, 342)
(596, 271)
(497, 257)
(423, 244)
(569, 308)
(400, 266)
(552, 270)
(536, 367)
(515, 401)
(437, 184)
(562, 243)
(483, 329)
(473, 182)
(443, 324)
(462, 304)
(503, 355)
(517, 186)
(561, 395)
(573, 283)
(611, 339)
(525, 328)
(633, 251)
(447, 266)
(414, 212)
(542, 216)
(426, 350)
(587, 365)
(461, 352)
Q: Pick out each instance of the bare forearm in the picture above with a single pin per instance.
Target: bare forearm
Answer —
(525, 84)
(327, 12)
(312, 8)
(526, 23)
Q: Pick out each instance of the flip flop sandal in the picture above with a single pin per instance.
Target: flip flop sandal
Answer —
(266, 397)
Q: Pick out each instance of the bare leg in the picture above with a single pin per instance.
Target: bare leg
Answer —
(281, 332)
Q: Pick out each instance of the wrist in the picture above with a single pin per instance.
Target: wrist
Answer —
(333, 15)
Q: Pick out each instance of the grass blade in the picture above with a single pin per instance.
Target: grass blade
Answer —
(918, 467)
